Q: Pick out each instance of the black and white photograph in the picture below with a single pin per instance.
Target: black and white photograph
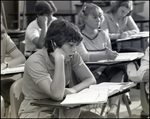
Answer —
(75, 59)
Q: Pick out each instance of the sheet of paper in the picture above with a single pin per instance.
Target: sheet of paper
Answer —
(18, 69)
(113, 87)
(138, 35)
(125, 57)
(86, 96)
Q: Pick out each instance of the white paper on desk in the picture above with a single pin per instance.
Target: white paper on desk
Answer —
(86, 96)
(18, 69)
(125, 57)
(137, 35)
(113, 87)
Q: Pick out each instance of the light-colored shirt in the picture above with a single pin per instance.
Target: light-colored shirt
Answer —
(144, 65)
(96, 44)
(7, 46)
(40, 66)
(125, 24)
(33, 30)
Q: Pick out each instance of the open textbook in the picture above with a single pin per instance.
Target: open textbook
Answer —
(125, 57)
(96, 93)
(142, 34)
(114, 87)
(17, 69)
(86, 96)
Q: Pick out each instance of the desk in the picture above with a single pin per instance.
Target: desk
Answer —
(141, 36)
(17, 36)
(53, 103)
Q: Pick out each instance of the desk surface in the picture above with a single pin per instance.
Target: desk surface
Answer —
(57, 104)
(127, 58)
(144, 34)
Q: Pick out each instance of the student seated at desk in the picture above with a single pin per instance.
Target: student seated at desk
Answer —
(8, 47)
(96, 46)
(36, 30)
(48, 71)
(119, 22)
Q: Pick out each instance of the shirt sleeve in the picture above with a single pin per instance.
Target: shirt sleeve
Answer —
(83, 52)
(32, 33)
(10, 45)
(105, 26)
(107, 39)
(133, 28)
(37, 71)
(144, 65)
(77, 61)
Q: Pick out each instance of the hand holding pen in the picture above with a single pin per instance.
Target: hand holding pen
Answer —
(111, 54)
(123, 34)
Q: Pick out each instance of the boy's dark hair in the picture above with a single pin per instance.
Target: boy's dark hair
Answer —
(61, 31)
(44, 7)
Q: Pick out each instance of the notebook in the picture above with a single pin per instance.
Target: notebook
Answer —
(114, 87)
(86, 96)
(137, 35)
(125, 57)
(17, 69)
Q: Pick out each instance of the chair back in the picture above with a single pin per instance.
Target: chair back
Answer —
(16, 97)
(144, 98)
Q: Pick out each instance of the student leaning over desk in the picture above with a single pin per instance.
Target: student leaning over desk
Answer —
(9, 47)
(37, 29)
(119, 22)
(96, 46)
(49, 70)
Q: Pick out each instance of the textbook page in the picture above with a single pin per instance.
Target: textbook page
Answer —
(17, 69)
(113, 87)
(86, 96)
(137, 35)
(125, 57)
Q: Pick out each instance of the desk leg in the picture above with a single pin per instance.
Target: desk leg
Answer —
(103, 108)
(127, 105)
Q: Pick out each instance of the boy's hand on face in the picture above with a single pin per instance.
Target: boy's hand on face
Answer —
(59, 53)
(43, 21)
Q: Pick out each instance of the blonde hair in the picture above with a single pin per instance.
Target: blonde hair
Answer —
(88, 8)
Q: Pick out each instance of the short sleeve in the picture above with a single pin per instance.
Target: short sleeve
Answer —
(10, 45)
(83, 52)
(76, 61)
(37, 70)
(32, 33)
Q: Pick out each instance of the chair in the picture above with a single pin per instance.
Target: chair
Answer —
(144, 98)
(16, 97)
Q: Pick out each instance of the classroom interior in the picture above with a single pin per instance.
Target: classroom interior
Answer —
(18, 14)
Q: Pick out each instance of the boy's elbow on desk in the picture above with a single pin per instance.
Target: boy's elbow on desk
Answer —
(57, 97)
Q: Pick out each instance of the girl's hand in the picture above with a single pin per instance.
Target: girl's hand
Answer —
(69, 91)
(124, 35)
(111, 54)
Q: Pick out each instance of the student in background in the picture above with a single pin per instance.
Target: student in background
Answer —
(119, 22)
(16, 57)
(96, 46)
(36, 30)
(49, 71)
(143, 71)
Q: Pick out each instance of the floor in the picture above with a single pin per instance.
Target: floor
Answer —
(135, 106)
